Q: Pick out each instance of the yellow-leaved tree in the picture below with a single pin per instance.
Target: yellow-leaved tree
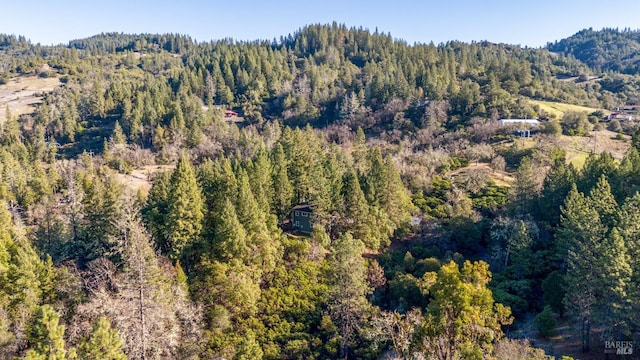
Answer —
(462, 320)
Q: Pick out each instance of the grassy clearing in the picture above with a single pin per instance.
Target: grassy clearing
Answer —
(500, 178)
(21, 93)
(578, 148)
(578, 159)
(559, 109)
(140, 179)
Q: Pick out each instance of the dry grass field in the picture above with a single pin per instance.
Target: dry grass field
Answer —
(579, 147)
(21, 93)
(140, 179)
(559, 109)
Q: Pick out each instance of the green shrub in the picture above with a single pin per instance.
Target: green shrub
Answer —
(545, 323)
(553, 288)
(576, 123)
(614, 125)
(121, 165)
(552, 128)
(426, 265)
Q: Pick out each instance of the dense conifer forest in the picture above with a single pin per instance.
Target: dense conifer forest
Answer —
(146, 197)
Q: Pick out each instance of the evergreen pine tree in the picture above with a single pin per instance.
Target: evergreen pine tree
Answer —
(227, 184)
(594, 167)
(101, 210)
(118, 137)
(318, 191)
(333, 172)
(376, 179)
(260, 180)
(555, 188)
(356, 217)
(635, 140)
(578, 237)
(282, 188)
(525, 187)
(185, 211)
(629, 228)
(397, 202)
(580, 226)
(156, 210)
(97, 104)
(601, 200)
(46, 339)
(104, 343)
(247, 208)
(6, 242)
(614, 285)
(230, 240)
(25, 279)
(625, 181)
(299, 157)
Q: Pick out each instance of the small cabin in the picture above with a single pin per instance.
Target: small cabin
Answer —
(230, 114)
(619, 116)
(302, 218)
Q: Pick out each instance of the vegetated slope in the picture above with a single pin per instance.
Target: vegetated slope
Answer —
(405, 146)
(322, 74)
(605, 50)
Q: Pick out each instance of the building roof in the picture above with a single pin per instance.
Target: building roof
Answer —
(303, 207)
(533, 122)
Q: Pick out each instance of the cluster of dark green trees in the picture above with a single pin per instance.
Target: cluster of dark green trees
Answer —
(220, 222)
(578, 229)
(596, 243)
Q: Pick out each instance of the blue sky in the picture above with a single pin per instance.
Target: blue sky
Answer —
(530, 23)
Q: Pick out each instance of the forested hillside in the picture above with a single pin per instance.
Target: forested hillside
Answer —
(607, 49)
(146, 202)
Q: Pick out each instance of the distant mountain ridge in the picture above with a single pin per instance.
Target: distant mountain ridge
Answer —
(325, 74)
(604, 50)
(609, 49)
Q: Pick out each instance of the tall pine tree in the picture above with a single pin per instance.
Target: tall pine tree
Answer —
(356, 218)
(282, 187)
(185, 209)
(555, 188)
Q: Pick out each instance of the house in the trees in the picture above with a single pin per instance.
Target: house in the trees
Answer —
(302, 218)
(230, 114)
(524, 125)
(530, 122)
(619, 116)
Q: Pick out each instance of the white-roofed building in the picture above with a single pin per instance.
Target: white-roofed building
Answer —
(531, 122)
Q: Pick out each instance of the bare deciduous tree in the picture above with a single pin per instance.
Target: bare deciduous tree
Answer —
(148, 306)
